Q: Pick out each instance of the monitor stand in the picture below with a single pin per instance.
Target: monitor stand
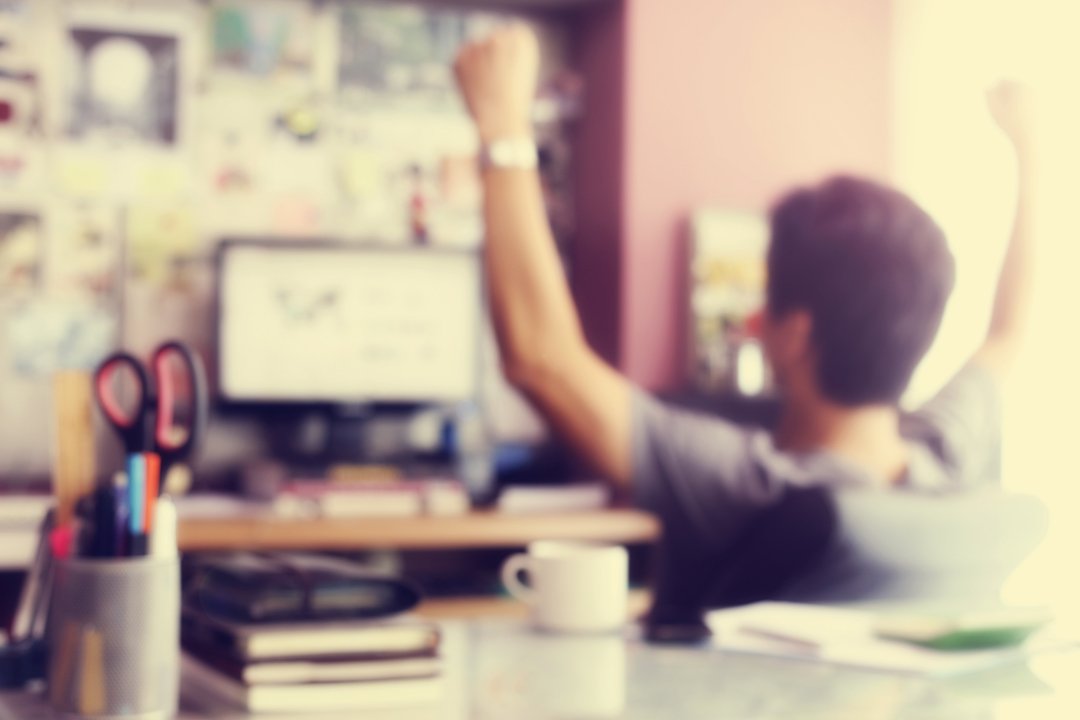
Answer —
(346, 430)
(348, 435)
(314, 440)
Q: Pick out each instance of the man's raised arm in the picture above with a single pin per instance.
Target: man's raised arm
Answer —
(1010, 110)
(543, 348)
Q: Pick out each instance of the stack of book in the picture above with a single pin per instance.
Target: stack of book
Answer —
(398, 498)
(252, 637)
(331, 666)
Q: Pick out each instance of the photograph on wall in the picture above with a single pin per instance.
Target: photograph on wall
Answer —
(84, 253)
(159, 236)
(21, 96)
(21, 133)
(263, 38)
(123, 85)
(15, 8)
(727, 293)
(22, 122)
(50, 334)
(400, 50)
(21, 247)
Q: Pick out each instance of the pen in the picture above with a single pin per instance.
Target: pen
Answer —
(87, 526)
(153, 483)
(120, 524)
(136, 493)
(102, 538)
(62, 540)
(34, 597)
(163, 539)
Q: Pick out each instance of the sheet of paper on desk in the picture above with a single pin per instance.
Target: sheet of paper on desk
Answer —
(553, 498)
(844, 636)
(220, 505)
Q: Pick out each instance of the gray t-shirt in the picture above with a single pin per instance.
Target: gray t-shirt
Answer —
(728, 498)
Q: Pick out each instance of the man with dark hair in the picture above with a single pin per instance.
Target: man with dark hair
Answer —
(858, 281)
(873, 271)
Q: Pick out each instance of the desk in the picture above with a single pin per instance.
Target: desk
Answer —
(475, 530)
(499, 669)
(481, 529)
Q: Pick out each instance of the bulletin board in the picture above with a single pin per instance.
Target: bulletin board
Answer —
(135, 134)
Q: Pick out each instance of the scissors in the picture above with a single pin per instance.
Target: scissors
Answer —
(153, 426)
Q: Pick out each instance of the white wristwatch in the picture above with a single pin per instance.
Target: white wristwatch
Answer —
(510, 154)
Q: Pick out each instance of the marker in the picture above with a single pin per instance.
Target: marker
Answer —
(123, 513)
(136, 493)
(103, 537)
(163, 539)
(153, 483)
(62, 540)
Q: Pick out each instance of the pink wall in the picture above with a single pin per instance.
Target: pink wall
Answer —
(725, 103)
(597, 252)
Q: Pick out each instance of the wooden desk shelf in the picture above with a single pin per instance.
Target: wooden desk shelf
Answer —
(482, 529)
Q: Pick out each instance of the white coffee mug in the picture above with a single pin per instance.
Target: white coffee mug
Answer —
(572, 586)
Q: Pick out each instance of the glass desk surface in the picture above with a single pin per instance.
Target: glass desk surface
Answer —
(502, 669)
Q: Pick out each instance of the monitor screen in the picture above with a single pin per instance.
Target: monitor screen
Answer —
(333, 323)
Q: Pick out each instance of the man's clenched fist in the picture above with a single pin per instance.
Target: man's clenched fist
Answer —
(498, 77)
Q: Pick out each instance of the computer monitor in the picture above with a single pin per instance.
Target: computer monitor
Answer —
(347, 324)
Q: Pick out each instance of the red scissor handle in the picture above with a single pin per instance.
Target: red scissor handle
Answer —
(167, 444)
(134, 428)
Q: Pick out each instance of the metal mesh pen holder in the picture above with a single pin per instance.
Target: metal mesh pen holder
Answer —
(114, 638)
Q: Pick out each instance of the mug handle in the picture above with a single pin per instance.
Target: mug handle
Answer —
(513, 567)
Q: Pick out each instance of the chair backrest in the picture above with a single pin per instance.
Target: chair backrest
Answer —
(957, 546)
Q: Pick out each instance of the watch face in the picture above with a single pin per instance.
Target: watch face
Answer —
(512, 154)
(502, 153)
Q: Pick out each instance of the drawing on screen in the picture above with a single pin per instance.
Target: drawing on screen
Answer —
(21, 244)
(307, 309)
(124, 85)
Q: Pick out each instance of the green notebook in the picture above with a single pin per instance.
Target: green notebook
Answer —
(965, 631)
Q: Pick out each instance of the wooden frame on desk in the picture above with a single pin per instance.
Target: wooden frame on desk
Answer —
(483, 529)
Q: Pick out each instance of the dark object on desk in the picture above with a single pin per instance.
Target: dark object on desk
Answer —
(249, 587)
(674, 630)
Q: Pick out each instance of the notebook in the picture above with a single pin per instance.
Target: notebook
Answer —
(311, 697)
(343, 668)
(251, 641)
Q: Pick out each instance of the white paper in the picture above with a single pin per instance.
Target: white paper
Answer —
(843, 636)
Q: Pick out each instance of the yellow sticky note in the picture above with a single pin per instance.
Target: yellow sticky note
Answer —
(156, 235)
(361, 173)
(83, 175)
(162, 177)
